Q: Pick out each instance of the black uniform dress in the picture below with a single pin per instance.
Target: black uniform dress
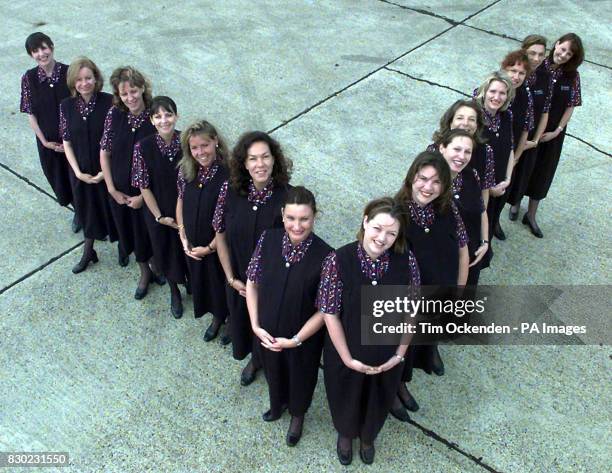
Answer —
(539, 85)
(82, 125)
(467, 195)
(245, 221)
(566, 93)
(435, 240)
(199, 203)
(499, 135)
(288, 278)
(360, 403)
(121, 133)
(41, 96)
(157, 171)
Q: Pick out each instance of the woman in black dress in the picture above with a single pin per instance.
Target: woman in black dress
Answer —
(202, 174)
(538, 83)
(516, 65)
(154, 172)
(81, 125)
(494, 96)
(362, 380)
(456, 148)
(562, 65)
(127, 122)
(42, 90)
(437, 237)
(468, 115)
(249, 203)
(283, 278)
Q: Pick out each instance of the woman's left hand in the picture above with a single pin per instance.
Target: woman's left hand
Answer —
(389, 364)
(479, 254)
(168, 221)
(529, 144)
(283, 343)
(134, 202)
(98, 178)
(549, 135)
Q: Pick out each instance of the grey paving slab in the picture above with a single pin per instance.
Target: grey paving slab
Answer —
(34, 228)
(574, 216)
(481, 53)
(456, 11)
(537, 409)
(241, 71)
(122, 386)
(360, 144)
(553, 19)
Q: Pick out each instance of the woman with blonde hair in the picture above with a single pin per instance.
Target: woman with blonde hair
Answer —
(81, 125)
(202, 172)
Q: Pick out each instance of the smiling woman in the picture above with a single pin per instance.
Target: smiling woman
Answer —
(437, 236)
(42, 90)
(249, 203)
(81, 125)
(283, 277)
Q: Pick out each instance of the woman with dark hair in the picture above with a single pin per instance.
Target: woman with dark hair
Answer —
(437, 237)
(495, 95)
(202, 174)
(154, 172)
(81, 125)
(456, 148)
(42, 90)
(361, 381)
(283, 278)
(249, 203)
(538, 83)
(562, 65)
(127, 122)
(468, 115)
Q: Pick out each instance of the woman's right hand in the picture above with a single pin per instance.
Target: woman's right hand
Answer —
(361, 367)
(267, 340)
(239, 286)
(120, 197)
(54, 146)
(86, 178)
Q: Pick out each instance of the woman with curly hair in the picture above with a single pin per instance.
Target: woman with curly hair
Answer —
(127, 122)
(249, 203)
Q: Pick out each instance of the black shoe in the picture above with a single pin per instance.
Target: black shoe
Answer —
(141, 292)
(160, 279)
(399, 413)
(122, 259)
(437, 366)
(409, 402)
(270, 416)
(513, 214)
(535, 230)
(345, 457)
(225, 339)
(248, 375)
(76, 224)
(211, 331)
(176, 308)
(293, 437)
(367, 454)
(499, 233)
(82, 265)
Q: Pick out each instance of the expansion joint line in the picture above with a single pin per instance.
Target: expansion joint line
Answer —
(453, 446)
(40, 268)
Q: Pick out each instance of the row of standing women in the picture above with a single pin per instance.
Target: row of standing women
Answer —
(231, 228)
